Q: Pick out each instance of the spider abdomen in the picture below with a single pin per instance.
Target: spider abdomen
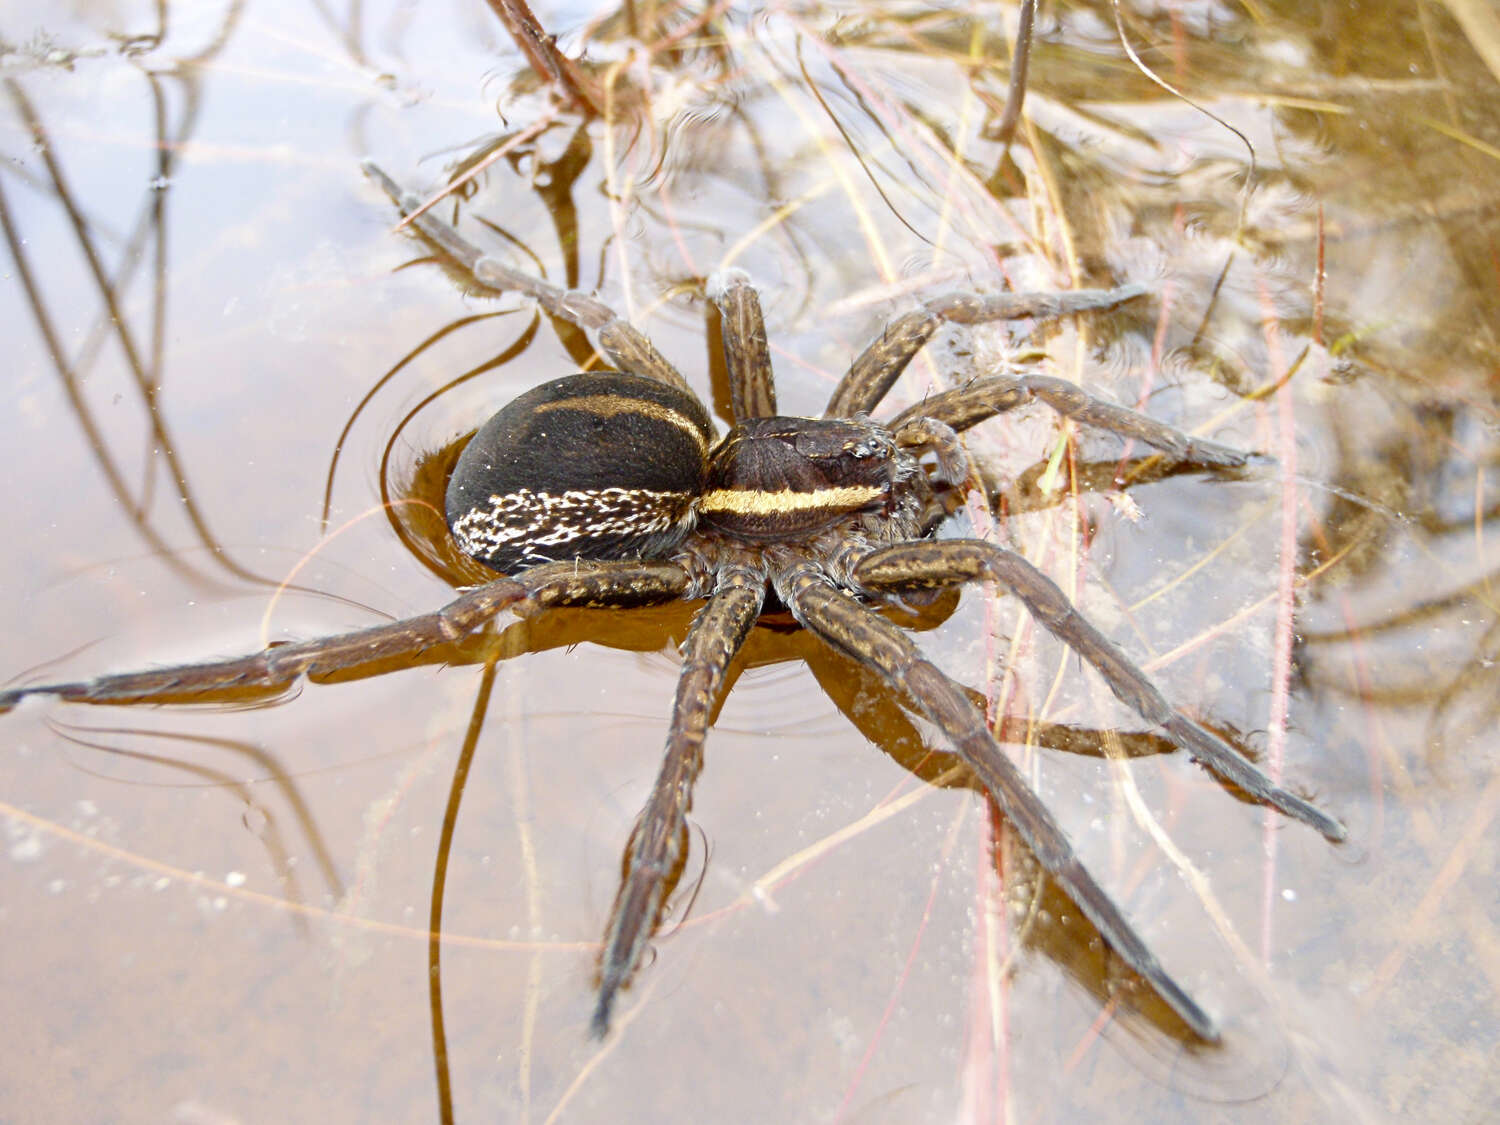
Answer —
(595, 466)
(784, 478)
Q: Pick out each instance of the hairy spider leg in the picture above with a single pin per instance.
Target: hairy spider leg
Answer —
(990, 395)
(747, 356)
(623, 583)
(621, 343)
(656, 845)
(875, 370)
(953, 562)
(851, 628)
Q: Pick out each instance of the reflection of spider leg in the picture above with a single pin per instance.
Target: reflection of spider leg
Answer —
(747, 356)
(656, 845)
(875, 370)
(870, 639)
(627, 583)
(995, 394)
(624, 345)
(931, 565)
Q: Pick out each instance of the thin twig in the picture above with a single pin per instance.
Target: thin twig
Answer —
(1020, 57)
(531, 132)
(550, 64)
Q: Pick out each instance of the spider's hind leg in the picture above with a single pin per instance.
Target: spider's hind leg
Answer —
(656, 844)
(622, 343)
(580, 584)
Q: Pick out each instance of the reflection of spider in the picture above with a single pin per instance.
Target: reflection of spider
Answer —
(610, 489)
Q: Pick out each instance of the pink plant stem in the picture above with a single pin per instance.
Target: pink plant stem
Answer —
(890, 1007)
(1281, 669)
(985, 1072)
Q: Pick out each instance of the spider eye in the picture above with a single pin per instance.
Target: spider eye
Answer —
(596, 466)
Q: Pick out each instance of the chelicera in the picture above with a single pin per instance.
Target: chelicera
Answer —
(611, 488)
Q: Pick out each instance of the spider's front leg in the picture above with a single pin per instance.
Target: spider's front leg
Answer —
(622, 343)
(657, 843)
(557, 584)
(866, 636)
(876, 369)
(990, 395)
(938, 564)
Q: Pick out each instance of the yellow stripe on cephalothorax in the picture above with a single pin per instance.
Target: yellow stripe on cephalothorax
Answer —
(766, 502)
(613, 405)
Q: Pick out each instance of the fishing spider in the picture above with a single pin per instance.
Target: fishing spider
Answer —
(611, 489)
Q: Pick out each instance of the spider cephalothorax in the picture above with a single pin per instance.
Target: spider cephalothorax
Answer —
(609, 489)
